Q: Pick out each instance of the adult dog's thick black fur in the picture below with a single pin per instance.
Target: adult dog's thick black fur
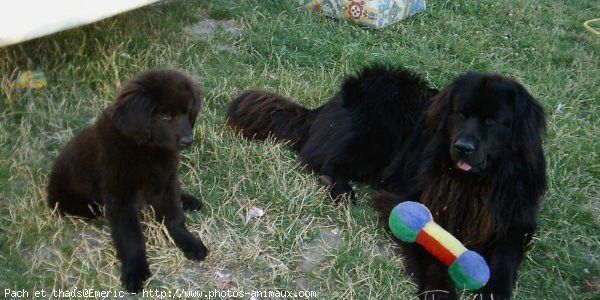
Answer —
(129, 155)
(472, 153)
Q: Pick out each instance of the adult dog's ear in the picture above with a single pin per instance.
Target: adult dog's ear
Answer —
(530, 125)
(438, 111)
(132, 112)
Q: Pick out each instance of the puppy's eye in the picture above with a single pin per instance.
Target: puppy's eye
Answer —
(489, 121)
(166, 117)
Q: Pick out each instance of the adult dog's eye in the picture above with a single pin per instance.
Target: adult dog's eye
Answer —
(166, 117)
(489, 121)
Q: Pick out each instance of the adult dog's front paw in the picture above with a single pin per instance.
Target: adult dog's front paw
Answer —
(339, 191)
(438, 295)
(134, 274)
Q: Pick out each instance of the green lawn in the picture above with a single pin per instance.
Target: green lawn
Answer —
(302, 55)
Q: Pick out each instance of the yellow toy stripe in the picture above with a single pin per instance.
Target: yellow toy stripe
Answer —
(449, 241)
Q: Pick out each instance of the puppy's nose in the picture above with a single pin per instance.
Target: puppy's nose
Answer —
(185, 141)
(465, 147)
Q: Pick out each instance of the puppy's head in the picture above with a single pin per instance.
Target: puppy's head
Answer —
(158, 107)
(485, 119)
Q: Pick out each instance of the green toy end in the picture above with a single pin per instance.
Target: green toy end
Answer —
(462, 280)
(469, 271)
(400, 229)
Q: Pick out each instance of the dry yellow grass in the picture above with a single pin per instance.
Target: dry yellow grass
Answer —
(303, 56)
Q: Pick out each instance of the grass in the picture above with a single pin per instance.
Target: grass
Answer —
(304, 56)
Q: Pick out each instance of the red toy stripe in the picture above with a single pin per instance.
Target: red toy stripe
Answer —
(435, 248)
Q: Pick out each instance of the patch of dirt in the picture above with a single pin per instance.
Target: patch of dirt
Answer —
(208, 26)
(314, 254)
(227, 48)
(316, 250)
(303, 284)
(387, 251)
(591, 284)
(247, 274)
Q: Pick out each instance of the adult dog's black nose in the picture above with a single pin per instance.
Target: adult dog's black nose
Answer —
(185, 141)
(465, 147)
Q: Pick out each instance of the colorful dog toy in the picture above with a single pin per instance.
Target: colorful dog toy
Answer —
(412, 222)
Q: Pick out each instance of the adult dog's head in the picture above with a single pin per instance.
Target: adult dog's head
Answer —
(158, 107)
(486, 119)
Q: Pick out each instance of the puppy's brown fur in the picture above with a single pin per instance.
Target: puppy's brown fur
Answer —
(129, 155)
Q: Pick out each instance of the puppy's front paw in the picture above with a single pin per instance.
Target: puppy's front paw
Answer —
(189, 202)
(134, 275)
(194, 249)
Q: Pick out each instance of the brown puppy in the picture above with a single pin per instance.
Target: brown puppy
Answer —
(129, 155)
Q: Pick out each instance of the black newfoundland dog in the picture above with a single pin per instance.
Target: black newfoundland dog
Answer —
(129, 155)
(472, 153)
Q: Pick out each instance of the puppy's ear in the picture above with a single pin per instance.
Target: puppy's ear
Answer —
(530, 125)
(197, 102)
(438, 111)
(132, 112)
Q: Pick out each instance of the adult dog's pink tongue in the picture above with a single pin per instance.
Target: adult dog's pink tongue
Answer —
(464, 166)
